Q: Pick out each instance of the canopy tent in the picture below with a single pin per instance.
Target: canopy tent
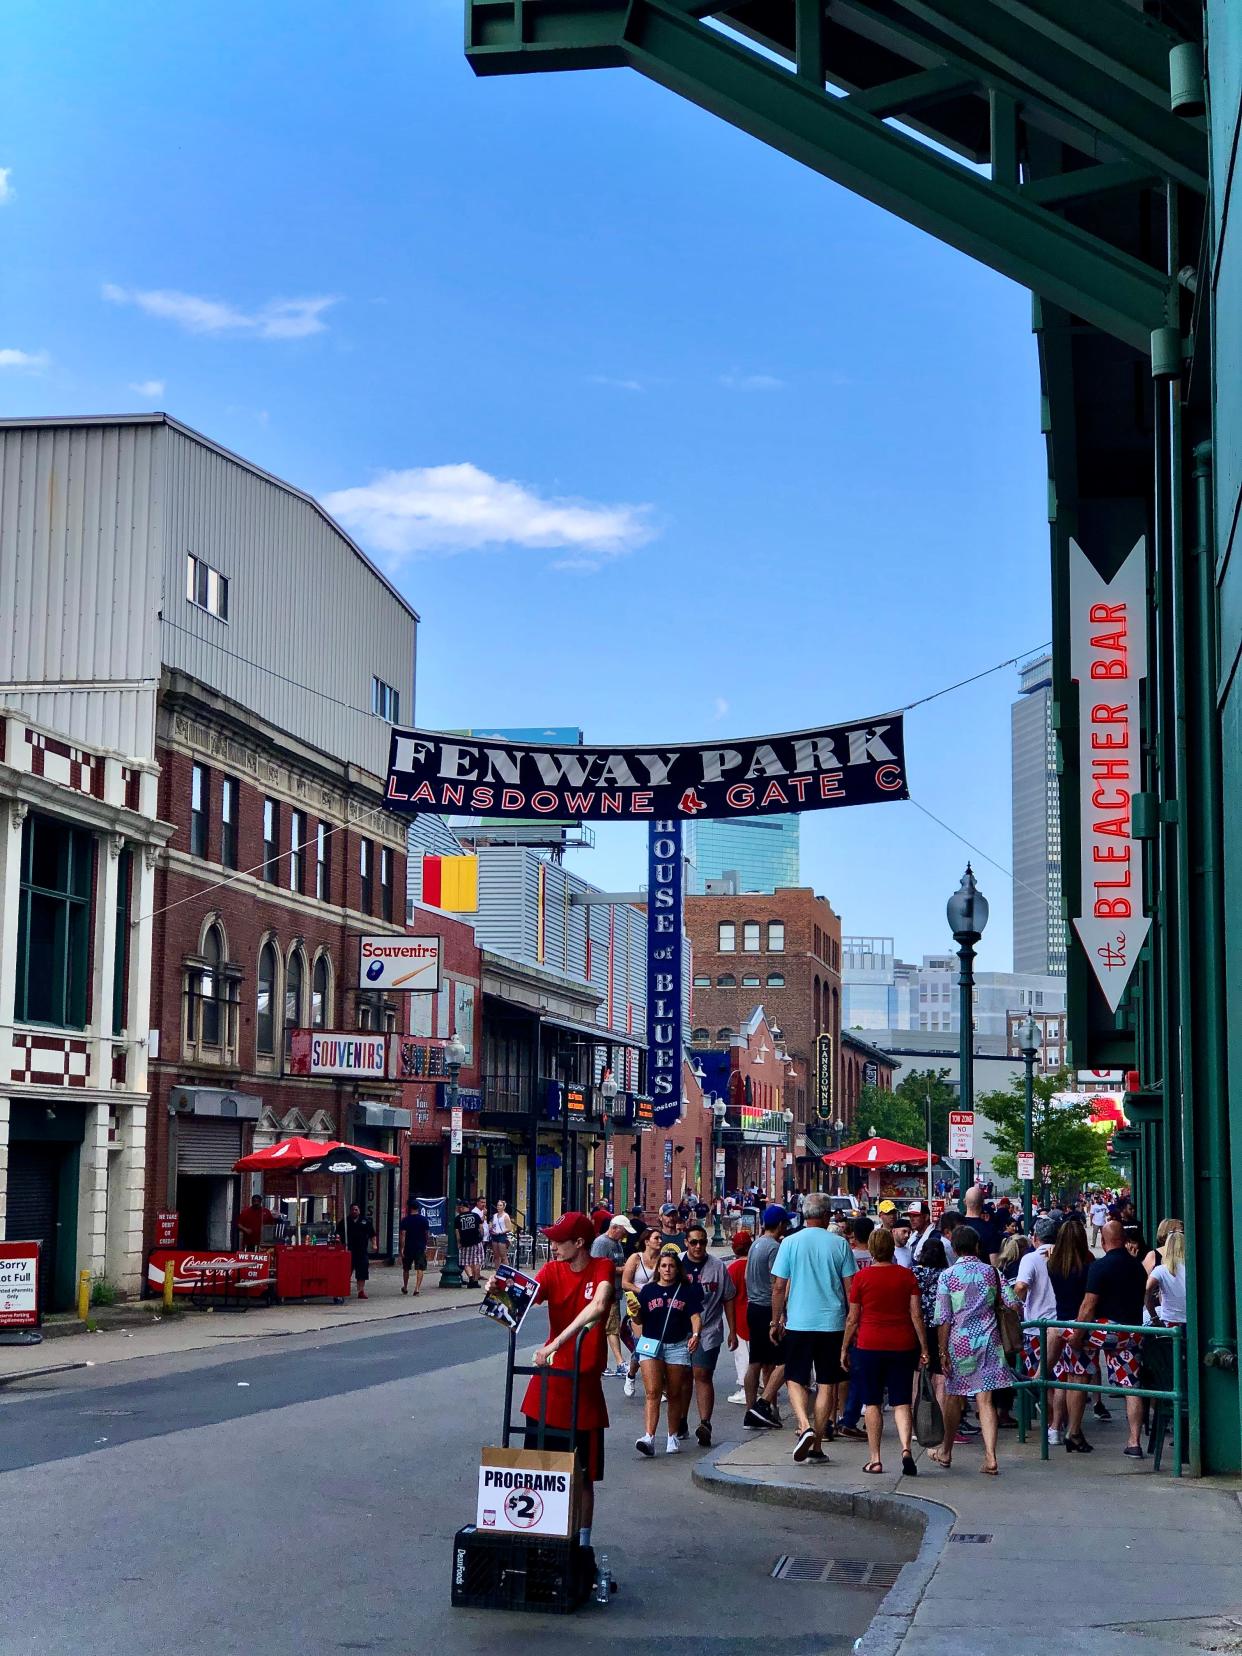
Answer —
(875, 1152)
(304, 1155)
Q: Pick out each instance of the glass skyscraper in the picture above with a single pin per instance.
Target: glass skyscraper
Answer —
(764, 852)
(1038, 927)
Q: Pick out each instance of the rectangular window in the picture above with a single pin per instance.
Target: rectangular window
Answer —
(726, 937)
(228, 821)
(53, 924)
(750, 937)
(200, 804)
(120, 954)
(271, 840)
(366, 868)
(322, 868)
(385, 883)
(206, 588)
(385, 701)
(297, 850)
(776, 937)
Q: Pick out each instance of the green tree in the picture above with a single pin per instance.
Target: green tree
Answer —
(1063, 1137)
(891, 1115)
(902, 1113)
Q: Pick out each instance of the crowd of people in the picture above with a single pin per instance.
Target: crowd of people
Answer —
(856, 1319)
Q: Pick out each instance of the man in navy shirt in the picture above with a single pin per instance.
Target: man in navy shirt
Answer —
(414, 1233)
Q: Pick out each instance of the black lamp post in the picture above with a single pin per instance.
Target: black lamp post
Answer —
(719, 1111)
(1029, 1043)
(450, 1276)
(608, 1091)
(838, 1133)
(967, 912)
(791, 1178)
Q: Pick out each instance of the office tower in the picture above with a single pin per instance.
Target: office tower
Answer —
(1038, 926)
(762, 851)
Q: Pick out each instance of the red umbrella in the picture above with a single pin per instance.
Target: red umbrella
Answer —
(289, 1156)
(875, 1152)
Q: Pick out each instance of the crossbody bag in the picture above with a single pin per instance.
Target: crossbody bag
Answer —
(651, 1348)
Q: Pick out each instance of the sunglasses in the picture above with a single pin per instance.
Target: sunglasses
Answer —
(696, 1241)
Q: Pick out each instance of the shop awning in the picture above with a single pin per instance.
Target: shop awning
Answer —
(215, 1101)
(597, 1032)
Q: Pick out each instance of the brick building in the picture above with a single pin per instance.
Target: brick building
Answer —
(782, 951)
(862, 1065)
(205, 640)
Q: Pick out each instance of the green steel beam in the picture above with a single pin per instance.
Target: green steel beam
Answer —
(1099, 62)
(994, 224)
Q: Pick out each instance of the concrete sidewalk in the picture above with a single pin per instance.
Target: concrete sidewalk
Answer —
(1088, 1553)
(189, 1330)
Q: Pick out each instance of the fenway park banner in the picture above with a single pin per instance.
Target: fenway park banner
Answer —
(860, 763)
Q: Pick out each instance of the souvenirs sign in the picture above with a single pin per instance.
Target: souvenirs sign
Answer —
(1108, 658)
(860, 763)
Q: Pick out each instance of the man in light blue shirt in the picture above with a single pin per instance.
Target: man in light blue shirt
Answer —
(809, 1308)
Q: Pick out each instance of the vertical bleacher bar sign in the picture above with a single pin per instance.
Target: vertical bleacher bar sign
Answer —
(665, 906)
(1108, 658)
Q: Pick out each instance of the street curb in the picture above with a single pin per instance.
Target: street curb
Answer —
(35, 1374)
(932, 1519)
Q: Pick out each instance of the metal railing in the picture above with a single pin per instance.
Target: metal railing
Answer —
(1043, 1384)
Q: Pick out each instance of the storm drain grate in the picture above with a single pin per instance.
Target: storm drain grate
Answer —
(840, 1572)
(979, 1540)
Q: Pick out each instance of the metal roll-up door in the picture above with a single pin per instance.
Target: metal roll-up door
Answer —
(34, 1175)
(207, 1146)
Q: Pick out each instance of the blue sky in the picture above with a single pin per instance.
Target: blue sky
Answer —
(661, 433)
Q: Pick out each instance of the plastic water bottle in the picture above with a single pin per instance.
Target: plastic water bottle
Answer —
(601, 1580)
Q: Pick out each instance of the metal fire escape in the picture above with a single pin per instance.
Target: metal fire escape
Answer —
(1061, 142)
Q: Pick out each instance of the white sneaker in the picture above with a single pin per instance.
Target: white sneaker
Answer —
(646, 1445)
(736, 1397)
(1054, 1437)
(673, 1446)
(628, 1388)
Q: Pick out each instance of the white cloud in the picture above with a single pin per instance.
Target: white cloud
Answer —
(278, 319)
(148, 388)
(34, 360)
(752, 382)
(616, 384)
(719, 708)
(460, 508)
(6, 189)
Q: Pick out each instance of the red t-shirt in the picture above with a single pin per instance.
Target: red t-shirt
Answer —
(566, 1292)
(737, 1270)
(883, 1295)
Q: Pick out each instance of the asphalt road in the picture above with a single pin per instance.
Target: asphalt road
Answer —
(291, 1497)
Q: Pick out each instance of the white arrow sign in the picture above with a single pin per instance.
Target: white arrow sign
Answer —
(1108, 659)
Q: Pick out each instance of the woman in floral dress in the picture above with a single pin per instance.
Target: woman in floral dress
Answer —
(967, 1298)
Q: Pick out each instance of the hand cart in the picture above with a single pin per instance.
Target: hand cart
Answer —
(508, 1571)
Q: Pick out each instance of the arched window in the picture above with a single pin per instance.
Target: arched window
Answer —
(750, 936)
(211, 988)
(815, 1001)
(697, 1035)
(726, 980)
(750, 982)
(776, 980)
(321, 993)
(265, 1002)
(725, 1034)
(295, 977)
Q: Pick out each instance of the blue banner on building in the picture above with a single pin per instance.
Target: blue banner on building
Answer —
(665, 884)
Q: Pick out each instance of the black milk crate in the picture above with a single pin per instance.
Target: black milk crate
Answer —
(521, 1572)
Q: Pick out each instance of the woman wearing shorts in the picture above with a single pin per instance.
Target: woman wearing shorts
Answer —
(669, 1310)
(884, 1343)
(500, 1233)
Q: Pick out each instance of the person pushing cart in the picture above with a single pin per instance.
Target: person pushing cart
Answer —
(577, 1291)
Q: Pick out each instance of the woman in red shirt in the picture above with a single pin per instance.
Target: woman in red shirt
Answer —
(736, 1269)
(885, 1331)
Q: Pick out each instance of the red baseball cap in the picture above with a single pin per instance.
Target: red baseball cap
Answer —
(571, 1227)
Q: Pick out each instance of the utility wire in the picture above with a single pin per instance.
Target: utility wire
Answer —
(1007, 872)
(258, 666)
(974, 678)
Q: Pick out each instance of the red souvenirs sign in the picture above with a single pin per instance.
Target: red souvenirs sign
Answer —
(1108, 659)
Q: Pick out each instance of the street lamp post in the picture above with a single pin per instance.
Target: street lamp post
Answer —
(719, 1110)
(608, 1091)
(450, 1276)
(967, 912)
(1028, 1045)
(790, 1177)
(838, 1133)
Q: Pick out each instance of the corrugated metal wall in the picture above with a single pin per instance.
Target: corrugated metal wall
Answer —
(80, 578)
(302, 605)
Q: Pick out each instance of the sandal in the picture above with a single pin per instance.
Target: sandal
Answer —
(873, 1466)
(908, 1468)
(990, 1471)
(939, 1459)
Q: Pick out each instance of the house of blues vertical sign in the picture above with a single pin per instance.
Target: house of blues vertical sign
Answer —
(665, 879)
